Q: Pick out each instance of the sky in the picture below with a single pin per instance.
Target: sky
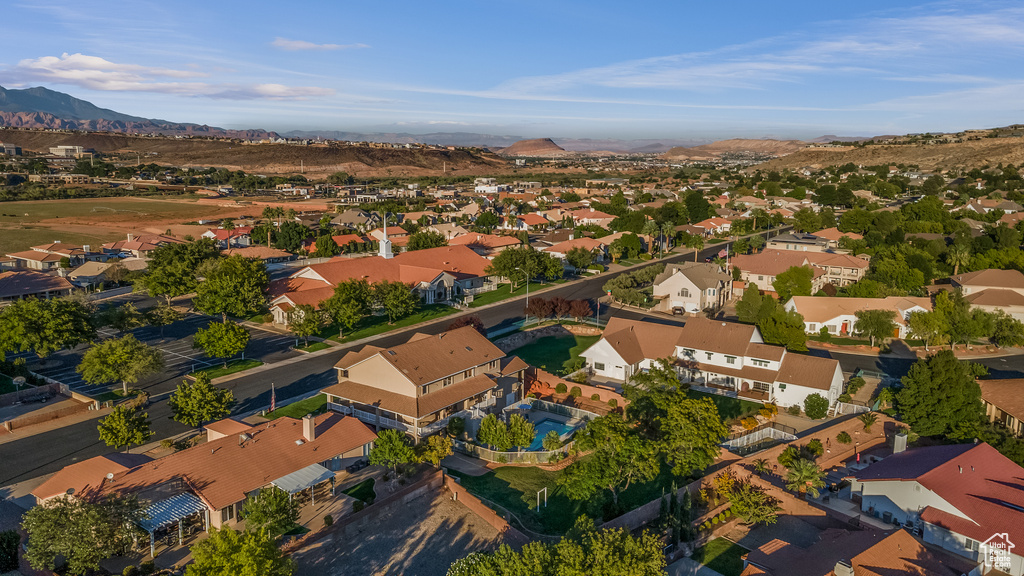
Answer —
(594, 69)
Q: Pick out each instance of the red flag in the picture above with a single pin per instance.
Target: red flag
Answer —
(722, 253)
(273, 398)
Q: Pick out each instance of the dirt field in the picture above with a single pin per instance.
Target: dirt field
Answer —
(96, 220)
(422, 539)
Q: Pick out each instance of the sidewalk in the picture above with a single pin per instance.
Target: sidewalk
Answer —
(33, 429)
(907, 353)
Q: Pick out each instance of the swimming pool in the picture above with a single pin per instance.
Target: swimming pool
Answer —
(543, 427)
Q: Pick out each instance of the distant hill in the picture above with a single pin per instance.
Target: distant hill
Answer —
(40, 107)
(969, 154)
(715, 150)
(535, 147)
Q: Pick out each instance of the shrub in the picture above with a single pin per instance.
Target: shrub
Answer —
(646, 257)
(268, 318)
(595, 397)
(815, 448)
(561, 388)
(502, 459)
(844, 437)
(146, 568)
(749, 423)
(824, 335)
(575, 392)
(130, 570)
(816, 406)
(613, 403)
(596, 267)
(856, 383)
(328, 520)
(845, 398)
(357, 506)
(714, 520)
(9, 540)
(794, 410)
(532, 395)
(788, 456)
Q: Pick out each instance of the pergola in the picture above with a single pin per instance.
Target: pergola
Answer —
(169, 511)
(307, 477)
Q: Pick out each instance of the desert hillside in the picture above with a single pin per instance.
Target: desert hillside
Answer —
(317, 160)
(535, 147)
(970, 154)
(735, 145)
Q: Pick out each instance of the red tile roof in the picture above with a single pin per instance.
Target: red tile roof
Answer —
(21, 283)
(81, 477)
(484, 241)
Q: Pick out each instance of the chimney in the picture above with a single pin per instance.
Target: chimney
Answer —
(130, 237)
(899, 442)
(843, 568)
(308, 428)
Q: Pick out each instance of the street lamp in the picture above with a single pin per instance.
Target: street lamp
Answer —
(527, 274)
(19, 381)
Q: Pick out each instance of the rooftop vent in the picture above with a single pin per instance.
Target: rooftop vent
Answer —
(843, 568)
(468, 349)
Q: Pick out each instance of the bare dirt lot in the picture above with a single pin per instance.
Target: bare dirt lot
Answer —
(420, 539)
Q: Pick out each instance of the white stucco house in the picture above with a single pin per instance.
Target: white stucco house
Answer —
(716, 357)
(957, 497)
(692, 287)
(838, 315)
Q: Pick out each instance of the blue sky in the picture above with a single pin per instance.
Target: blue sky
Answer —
(590, 69)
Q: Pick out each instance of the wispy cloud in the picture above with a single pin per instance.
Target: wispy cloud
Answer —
(95, 73)
(286, 44)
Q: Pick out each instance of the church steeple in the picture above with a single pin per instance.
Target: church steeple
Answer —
(384, 250)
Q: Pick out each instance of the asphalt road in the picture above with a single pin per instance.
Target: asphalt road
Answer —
(50, 451)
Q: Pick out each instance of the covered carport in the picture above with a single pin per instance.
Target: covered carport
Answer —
(306, 478)
(173, 510)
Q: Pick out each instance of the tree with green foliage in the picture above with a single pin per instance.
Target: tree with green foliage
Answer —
(521, 431)
(123, 318)
(305, 321)
(349, 303)
(939, 395)
(958, 255)
(124, 426)
(340, 179)
(524, 263)
(44, 326)
(435, 449)
(619, 457)
(806, 220)
(425, 239)
(236, 286)
(221, 340)
(199, 401)
(495, 433)
(691, 434)
(782, 327)
(325, 247)
(124, 360)
(163, 315)
(964, 323)
(748, 307)
(171, 271)
(796, 281)
(551, 441)
(391, 449)
(931, 327)
(1006, 330)
(396, 299)
(290, 235)
(741, 246)
(753, 505)
(876, 324)
(271, 509)
(697, 206)
(805, 477)
(227, 552)
(487, 220)
(696, 242)
(80, 531)
(10, 545)
(816, 406)
(579, 258)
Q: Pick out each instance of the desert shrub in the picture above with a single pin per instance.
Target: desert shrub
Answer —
(844, 437)
(560, 388)
(793, 410)
(815, 448)
(502, 459)
(749, 423)
(845, 398)
(596, 267)
(714, 520)
(268, 318)
(816, 406)
(595, 397)
(613, 403)
(328, 520)
(856, 383)
(575, 392)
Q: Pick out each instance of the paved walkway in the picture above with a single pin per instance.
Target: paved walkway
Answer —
(465, 464)
(690, 567)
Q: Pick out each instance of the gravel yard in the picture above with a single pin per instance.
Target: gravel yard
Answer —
(421, 539)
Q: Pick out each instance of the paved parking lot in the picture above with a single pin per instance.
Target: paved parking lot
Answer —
(175, 344)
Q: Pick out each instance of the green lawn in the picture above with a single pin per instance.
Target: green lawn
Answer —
(722, 556)
(362, 491)
(555, 353)
(314, 347)
(233, 367)
(503, 293)
(373, 325)
(728, 408)
(841, 341)
(301, 408)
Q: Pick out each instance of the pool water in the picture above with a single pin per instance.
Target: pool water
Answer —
(543, 427)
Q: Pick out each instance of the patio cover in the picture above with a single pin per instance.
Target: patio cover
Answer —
(301, 479)
(171, 510)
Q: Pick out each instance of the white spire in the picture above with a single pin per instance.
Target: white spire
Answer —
(384, 250)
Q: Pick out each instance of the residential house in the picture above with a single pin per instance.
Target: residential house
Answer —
(417, 386)
(1004, 403)
(716, 357)
(354, 218)
(525, 222)
(486, 245)
(957, 497)
(998, 300)
(598, 246)
(96, 274)
(974, 282)
(833, 235)
(18, 284)
(397, 236)
(239, 237)
(48, 256)
(589, 216)
(140, 246)
(828, 268)
(712, 226)
(839, 315)
(209, 483)
(435, 274)
(986, 205)
(264, 253)
(449, 230)
(798, 241)
(692, 287)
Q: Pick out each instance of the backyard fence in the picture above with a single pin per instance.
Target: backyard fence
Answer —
(523, 457)
(846, 408)
(760, 438)
(560, 409)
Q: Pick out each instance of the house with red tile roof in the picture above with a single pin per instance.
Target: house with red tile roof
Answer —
(1004, 403)
(239, 237)
(956, 496)
(713, 226)
(141, 245)
(715, 357)
(839, 315)
(590, 216)
(486, 245)
(827, 267)
(435, 274)
(18, 284)
(418, 386)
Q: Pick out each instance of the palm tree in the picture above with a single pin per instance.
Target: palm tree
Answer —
(868, 419)
(756, 242)
(616, 251)
(651, 230)
(761, 466)
(696, 242)
(668, 230)
(805, 477)
(957, 256)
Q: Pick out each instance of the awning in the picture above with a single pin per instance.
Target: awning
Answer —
(300, 480)
(171, 510)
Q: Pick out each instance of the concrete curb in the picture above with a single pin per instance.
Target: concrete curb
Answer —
(1005, 352)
